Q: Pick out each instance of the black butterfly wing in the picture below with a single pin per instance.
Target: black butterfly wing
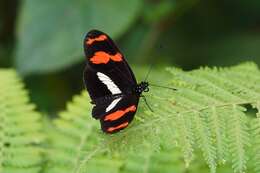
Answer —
(110, 82)
(104, 58)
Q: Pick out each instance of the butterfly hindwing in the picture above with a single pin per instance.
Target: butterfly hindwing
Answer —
(120, 113)
(104, 105)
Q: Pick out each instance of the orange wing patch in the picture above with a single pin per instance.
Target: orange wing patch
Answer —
(99, 38)
(118, 114)
(101, 57)
(111, 129)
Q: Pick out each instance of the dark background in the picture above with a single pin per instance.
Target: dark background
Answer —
(42, 40)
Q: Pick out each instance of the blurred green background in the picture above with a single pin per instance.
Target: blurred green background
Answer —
(43, 39)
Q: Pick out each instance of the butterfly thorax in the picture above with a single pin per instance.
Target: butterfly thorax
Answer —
(141, 87)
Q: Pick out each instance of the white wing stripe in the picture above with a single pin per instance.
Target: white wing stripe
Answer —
(109, 83)
(113, 104)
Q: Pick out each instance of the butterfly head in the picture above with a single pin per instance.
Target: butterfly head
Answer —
(141, 87)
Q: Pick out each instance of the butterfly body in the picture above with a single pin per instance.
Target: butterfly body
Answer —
(110, 83)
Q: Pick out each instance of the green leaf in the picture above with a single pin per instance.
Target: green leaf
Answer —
(50, 33)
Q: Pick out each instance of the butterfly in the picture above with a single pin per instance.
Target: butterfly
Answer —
(110, 82)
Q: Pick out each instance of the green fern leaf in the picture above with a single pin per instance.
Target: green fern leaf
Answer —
(206, 114)
(20, 128)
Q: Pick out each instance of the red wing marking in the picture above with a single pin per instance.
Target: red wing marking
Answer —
(118, 114)
(99, 38)
(101, 57)
(111, 129)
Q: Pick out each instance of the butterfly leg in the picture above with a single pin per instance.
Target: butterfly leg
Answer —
(149, 107)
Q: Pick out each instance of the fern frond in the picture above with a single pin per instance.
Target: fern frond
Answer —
(20, 128)
(206, 113)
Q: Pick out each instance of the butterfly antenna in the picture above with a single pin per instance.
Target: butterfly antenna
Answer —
(159, 86)
(149, 71)
(149, 107)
